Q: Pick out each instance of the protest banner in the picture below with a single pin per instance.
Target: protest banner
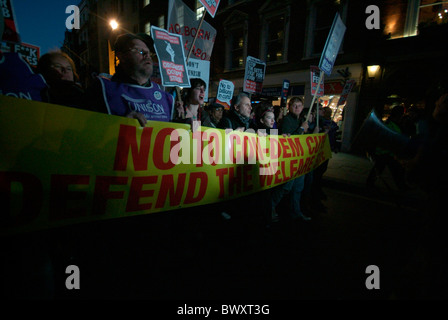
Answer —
(225, 93)
(171, 56)
(254, 75)
(182, 20)
(10, 30)
(211, 6)
(62, 165)
(199, 69)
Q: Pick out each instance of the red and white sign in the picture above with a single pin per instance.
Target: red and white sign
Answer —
(211, 6)
(315, 74)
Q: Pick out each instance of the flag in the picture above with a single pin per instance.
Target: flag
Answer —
(182, 20)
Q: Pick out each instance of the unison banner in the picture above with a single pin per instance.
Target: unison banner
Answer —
(62, 165)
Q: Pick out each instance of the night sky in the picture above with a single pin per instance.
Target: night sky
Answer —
(42, 23)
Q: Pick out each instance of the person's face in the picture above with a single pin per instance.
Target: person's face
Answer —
(61, 69)
(268, 119)
(137, 59)
(296, 108)
(244, 107)
(197, 95)
(217, 113)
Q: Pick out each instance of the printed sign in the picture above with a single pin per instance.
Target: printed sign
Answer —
(28, 52)
(349, 84)
(285, 89)
(225, 93)
(199, 69)
(332, 45)
(315, 74)
(171, 56)
(254, 75)
(211, 6)
(183, 21)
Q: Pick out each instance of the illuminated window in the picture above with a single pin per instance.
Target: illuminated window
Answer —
(161, 22)
(148, 28)
(146, 3)
(274, 35)
(425, 13)
(236, 34)
(199, 10)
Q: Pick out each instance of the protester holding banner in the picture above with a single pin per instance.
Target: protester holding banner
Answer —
(59, 71)
(130, 92)
(239, 115)
(192, 106)
(292, 124)
(217, 119)
(264, 117)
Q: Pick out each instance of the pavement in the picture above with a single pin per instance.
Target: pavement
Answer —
(350, 171)
(189, 254)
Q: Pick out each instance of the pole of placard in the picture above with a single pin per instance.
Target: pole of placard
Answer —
(197, 33)
(317, 115)
(315, 95)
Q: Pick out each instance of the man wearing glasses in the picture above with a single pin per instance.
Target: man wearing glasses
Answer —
(130, 91)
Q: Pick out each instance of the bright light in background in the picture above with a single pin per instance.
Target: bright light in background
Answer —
(113, 24)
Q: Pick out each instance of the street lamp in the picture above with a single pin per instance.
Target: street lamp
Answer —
(372, 70)
(113, 24)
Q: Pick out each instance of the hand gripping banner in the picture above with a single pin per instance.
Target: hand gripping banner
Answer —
(62, 166)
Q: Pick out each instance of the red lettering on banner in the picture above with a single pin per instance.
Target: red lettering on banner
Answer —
(314, 143)
(220, 173)
(60, 196)
(309, 141)
(167, 187)
(234, 158)
(235, 180)
(136, 192)
(196, 177)
(296, 147)
(102, 192)
(285, 148)
(32, 192)
(277, 176)
(158, 153)
(285, 177)
(127, 139)
(247, 180)
(292, 167)
(266, 179)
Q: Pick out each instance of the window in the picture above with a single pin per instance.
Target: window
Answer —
(322, 13)
(199, 10)
(425, 13)
(274, 36)
(237, 49)
(235, 30)
(148, 28)
(161, 22)
(146, 3)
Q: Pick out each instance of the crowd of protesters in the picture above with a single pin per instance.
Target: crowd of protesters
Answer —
(131, 93)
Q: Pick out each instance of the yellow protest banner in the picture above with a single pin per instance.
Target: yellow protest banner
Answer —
(63, 165)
